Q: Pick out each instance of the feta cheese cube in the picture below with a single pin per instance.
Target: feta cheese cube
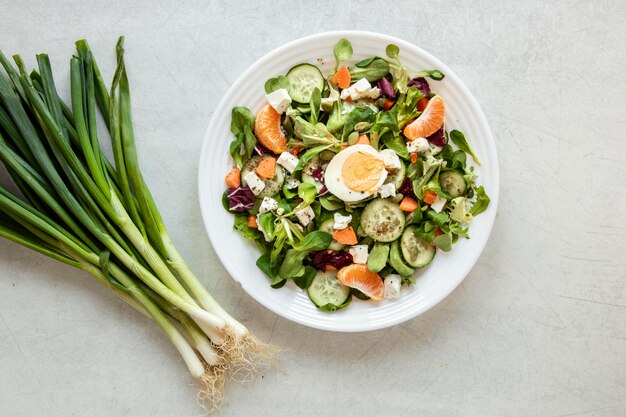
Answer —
(341, 221)
(359, 89)
(288, 161)
(390, 159)
(438, 204)
(305, 215)
(419, 145)
(359, 254)
(255, 183)
(268, 204)
(387, 190)
(292, 183)
(393, 282)
(279, 100)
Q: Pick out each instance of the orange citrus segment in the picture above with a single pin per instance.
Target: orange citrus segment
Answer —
(268, 131)
(266, 168)
(428, 122)
(358, 276)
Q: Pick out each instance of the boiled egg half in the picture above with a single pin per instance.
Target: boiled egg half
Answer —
(355, 173)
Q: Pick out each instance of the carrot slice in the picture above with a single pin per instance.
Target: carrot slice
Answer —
(267, 168)
(413, 157)
(252, 222)
(342, 77)
(362, 140)
(345, 236)
(296, 150)
(233, 178)
(389, 104)
(421, 104)
(409, 204)
(429, 197)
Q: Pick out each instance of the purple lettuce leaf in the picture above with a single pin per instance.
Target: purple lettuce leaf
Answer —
(320, 260)
(240, 199)
(438, 138)
(386, 89)
(421, 84)
(406, 189)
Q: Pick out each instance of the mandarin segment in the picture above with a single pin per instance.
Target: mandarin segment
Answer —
(359, 277)
(429, 121)
(268, 130)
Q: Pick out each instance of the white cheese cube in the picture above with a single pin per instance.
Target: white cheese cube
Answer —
(255, 183)
(390, 159)
(438, 204)
(373, 93)
(419, 145)
(393, 282)
(268, 204)
(305, 215)
(345, 93)
(292, 183)
(279, 100)
(360, 89)
(387, 190)
(359, 254)
(288, 161)
(341, 221)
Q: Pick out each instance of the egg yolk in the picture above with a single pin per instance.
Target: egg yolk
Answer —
(361, 171)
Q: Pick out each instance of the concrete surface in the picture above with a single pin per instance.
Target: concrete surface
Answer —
(538, 328)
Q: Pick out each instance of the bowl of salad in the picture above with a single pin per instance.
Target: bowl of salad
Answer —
(348, 181)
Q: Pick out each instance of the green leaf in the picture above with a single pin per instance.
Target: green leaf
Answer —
(438, 219)
(406, 105)
(317, 240)
(289, 193)
(398, 145)
(373, 69)
(458, 138)
(277, 83)
(316, 100)
(434, 74)
(266, 223)
(306, 279)
(481, 203)
(265, 265)
(342, 51)
(308, 155)
(292, 265)
(443, 242)
(241, 225)
(278, 282)
(242, 126)
(392, 51)
(331, 203)
(307, 192)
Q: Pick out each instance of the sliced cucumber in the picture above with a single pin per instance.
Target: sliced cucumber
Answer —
(303, 79)
(378, 257)
(382, 220)
(313, 164)
(272, 185)
(327, 226)
(416, 251)
(397, 178)
(453, 183)
(396, 261)
(326, 291)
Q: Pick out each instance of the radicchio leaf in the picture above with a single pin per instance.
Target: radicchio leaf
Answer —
(320, 260)
(318, 174)
(421, 84)
(406, 189)
(386, 89)
(438, 138)
(240, 199)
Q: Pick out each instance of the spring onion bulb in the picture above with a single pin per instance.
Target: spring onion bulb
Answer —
(81, 209)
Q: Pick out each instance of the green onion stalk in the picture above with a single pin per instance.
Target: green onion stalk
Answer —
(80, 209)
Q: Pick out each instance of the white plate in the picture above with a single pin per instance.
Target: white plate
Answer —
(238, 255)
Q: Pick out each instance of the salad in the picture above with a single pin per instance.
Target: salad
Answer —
(348, 182)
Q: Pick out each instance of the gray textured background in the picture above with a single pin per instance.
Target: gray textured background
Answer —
(538, 327)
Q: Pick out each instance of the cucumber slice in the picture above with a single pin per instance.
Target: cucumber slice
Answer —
(327, 226)
(397, 178)
(272, 185)
(326, 291)
(303, 79)
(313, 164)
(396, 261)
(416, 251)
(382, 220)
(453, 183)
(378, 257)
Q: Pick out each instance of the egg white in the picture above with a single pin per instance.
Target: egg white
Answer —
(334, 180)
